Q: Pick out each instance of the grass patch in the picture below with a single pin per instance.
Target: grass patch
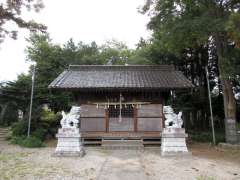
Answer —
(238, 126)
(30, 142)
(206, 136)
(204, 177)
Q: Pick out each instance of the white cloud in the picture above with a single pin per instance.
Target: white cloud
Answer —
(82, 20)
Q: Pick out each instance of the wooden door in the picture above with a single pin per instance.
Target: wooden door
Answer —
(121, 121)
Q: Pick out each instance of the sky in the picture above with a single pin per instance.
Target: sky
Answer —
(82, 20)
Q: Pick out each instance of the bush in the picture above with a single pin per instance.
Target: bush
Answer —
(49, 121)
(9, 114)
(207, 136)
(238, 126)
(17, 139)
(44, 124)
(20, 128)
(40, 133)
(30, 142)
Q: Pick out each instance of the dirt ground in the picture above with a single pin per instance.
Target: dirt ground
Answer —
(206, 163)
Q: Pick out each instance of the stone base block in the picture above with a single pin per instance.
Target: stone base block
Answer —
(174, 142)
(69, 153)
(69, 144)
(229, 146)
(168, 153)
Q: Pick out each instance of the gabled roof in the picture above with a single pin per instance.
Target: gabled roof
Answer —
(121, 77)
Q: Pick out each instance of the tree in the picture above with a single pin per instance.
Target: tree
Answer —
(115, 52)
(11, 11)
(52, 59)
(178, 25)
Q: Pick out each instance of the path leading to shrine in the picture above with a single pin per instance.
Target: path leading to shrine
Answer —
(206, 163)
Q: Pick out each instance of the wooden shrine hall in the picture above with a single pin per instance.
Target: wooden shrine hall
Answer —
(121, 101)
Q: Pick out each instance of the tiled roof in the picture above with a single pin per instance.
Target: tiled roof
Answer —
(121, 77)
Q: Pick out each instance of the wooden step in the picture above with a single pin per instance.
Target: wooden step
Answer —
(91, 141)
(152, 143)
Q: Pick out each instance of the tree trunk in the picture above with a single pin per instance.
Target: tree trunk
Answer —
(230, 112)
(228, 96)
(3, 112)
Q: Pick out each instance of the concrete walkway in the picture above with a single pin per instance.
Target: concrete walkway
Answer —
(207, 162)
(121, 165)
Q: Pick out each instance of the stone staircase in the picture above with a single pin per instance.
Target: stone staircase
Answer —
(3, 133)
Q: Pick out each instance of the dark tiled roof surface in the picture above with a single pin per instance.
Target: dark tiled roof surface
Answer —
(121, 77)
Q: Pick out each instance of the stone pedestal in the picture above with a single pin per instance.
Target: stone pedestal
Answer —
(174, 142)
(69, 143)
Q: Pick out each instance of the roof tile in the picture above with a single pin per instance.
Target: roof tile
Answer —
(126, 77)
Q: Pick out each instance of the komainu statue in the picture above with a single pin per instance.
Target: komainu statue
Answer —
(173, 136)
(69, 135)
(173, 120)
(71, 119)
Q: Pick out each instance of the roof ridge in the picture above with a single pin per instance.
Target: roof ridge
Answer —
(122, 67)
(102, 65)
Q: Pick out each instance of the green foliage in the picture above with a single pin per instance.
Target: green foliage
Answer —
(9, 113)
(20, 128)
(11, 11)
(44, 122)
(206, 136)
(17, 93)
(233, 27)
(49, 122)
(180, 25)
(205, 177)
(30, 142)
(40, 133)
(238, 126)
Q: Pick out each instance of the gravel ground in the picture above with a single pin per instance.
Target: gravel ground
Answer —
(206, 163)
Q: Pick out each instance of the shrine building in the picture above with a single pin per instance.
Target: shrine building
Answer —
(121, 101)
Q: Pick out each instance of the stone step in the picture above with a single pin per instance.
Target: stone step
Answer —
(5, 127)
(4, 135)
(4, 131)
(122, 144)
(3, 138)
(123, 147)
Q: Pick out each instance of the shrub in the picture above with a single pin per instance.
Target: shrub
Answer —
(30, 142)
(206, 136)
(44, 124)
(20, 128)
(238, 126)
(49, 121)
(40, 133)
(9, 114)
(16, 139)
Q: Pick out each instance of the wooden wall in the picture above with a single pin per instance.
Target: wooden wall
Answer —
(93, 119)
(148, 118)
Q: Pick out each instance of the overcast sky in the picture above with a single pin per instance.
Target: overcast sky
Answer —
(82, 20)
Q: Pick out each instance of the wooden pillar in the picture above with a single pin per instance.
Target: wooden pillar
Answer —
(163, 117)
(135, 119)
(107, 120)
